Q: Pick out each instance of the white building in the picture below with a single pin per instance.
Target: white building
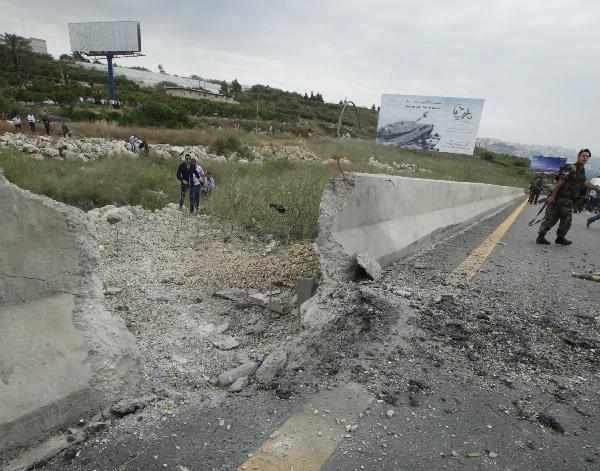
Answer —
(197, 94)
(38, 46)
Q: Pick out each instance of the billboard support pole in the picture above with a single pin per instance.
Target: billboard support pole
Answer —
(111, 78)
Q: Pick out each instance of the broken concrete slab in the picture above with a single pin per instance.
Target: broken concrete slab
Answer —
(43, 452)
(246, 369)
(274, 303)
(239, 384)
(129, 406)
(370, 266)
(62, 354)
(233, 294)
(226, 342)
(305, 288)
(97, 426)
(271, 366)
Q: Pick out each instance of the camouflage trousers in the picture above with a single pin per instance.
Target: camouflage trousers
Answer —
(561, 210)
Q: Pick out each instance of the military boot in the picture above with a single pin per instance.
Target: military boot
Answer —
(588, 222)
(541, 239)
(562, 241)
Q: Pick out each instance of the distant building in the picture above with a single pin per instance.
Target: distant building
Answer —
(197, 94)
(38, 46)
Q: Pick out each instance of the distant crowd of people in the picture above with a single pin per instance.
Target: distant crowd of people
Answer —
(194, 179)
(46, 121)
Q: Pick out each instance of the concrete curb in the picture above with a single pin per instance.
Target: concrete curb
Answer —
(388, 217)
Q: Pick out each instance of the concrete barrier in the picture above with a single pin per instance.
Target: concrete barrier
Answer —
(62, 355)
(387, 217)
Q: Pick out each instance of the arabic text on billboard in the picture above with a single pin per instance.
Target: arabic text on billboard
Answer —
(444, 124)
(105, 37)
(542, 164)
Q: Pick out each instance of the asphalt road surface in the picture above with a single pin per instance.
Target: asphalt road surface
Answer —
(499, 371)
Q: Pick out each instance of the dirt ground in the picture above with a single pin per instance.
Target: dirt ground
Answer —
(166, 269)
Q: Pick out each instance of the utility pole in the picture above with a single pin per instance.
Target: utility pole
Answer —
(256, 123)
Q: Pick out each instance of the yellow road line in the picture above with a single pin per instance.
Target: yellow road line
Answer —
(471, 265)
(307, 439)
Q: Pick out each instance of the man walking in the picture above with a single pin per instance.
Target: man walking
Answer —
(560, 203)
(31, 121)
(183, 175)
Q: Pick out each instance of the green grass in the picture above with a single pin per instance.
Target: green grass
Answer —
(244, 192)
(242, 196)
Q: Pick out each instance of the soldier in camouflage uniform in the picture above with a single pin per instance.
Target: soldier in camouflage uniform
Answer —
(535, 188)
(560, 203)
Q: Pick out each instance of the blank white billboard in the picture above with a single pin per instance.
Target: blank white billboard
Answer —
(443, 124)
(105, 37)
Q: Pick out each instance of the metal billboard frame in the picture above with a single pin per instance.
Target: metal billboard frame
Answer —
(108, 53)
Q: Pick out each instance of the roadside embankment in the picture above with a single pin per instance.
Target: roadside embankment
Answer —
(62, 355)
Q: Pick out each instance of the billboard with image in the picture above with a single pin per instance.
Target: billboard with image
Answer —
(546, 164)
(106, 37)
(444, 124)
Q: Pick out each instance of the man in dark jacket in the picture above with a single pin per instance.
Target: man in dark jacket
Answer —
(183, 175)
(560, 203)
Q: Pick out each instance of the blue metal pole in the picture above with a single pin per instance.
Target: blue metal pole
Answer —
(111, 78)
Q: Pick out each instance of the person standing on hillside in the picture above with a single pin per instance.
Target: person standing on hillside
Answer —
(196, 180)
(64, 126)
(31, 121)
(17, 122)
(183, 175)
(560, 203)
(46, 122)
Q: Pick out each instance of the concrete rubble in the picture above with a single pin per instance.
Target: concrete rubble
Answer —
(91, 148)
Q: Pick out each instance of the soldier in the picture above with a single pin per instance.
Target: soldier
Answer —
(535, 189)
(560, 202)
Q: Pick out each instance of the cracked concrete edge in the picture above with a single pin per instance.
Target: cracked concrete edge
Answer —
(336, 264)
(41, 453)
(112, 355)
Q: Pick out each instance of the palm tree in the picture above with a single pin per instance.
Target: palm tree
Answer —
(16, 48)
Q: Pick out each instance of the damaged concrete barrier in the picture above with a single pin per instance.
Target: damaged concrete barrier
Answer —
(386, 217)
(62, 355)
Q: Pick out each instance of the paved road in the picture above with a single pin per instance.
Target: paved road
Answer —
(504, 375)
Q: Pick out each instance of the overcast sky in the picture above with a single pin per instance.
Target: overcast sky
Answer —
(535, 62)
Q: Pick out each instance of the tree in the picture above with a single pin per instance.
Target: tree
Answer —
(373, 107)
(224, 88)
(79, 58)
(161, 69)
(305, 96)
(235, 86)
(16, 49)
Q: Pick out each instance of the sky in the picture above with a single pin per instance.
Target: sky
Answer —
(535, 62)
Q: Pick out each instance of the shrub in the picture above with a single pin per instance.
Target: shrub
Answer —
(9, 107)
(225, 145)
(487, 155)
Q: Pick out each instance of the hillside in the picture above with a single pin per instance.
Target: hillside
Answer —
(260, 107)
